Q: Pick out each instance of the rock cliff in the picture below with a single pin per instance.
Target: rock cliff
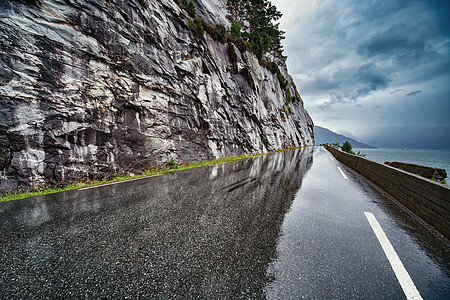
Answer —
(93, 88)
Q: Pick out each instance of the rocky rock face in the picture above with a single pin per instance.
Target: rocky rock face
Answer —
(93, 88)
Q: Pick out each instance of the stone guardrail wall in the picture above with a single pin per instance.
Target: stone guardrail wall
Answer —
(426, 198)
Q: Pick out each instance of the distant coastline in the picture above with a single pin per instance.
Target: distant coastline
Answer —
(325, 136)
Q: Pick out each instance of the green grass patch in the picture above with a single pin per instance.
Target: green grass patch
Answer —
(171, 167)
(43, 191)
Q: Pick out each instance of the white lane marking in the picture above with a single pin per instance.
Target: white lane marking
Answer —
(332, 158)
(106, 184)
(342, 173)
(403, 277)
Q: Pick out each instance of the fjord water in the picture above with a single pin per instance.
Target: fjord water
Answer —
(426, 157)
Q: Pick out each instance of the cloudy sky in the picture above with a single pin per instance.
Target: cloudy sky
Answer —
(362, 65)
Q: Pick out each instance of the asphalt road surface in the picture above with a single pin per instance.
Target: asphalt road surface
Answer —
(290, 225)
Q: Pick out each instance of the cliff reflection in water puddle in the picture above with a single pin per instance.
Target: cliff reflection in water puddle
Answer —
(209, 232)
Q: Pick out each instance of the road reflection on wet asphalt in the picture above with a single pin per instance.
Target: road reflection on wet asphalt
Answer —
(207, 233)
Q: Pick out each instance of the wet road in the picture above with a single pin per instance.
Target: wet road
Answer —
(281, 226)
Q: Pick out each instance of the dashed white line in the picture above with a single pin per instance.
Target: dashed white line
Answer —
(342, 173)
(106, 184)
(403, 277)
(332, 158)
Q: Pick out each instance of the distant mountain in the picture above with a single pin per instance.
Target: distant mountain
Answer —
(410, 137)
(323, 135)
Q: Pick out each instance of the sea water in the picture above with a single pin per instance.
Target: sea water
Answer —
(426, 157)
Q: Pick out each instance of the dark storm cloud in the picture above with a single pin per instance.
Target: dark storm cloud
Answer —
(373, 77)
(350, 84)
(441, 9)
(414, 93)
(396, 43)
(396, 91)
(369, 61)
(355, 48)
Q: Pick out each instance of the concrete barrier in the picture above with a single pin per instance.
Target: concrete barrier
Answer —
(426, 198)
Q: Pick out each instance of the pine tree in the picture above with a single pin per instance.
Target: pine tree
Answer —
(257, 19)
(235, 29)
(276, 47)
(236, 9)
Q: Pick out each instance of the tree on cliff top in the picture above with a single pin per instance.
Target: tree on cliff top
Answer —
(257, 19)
